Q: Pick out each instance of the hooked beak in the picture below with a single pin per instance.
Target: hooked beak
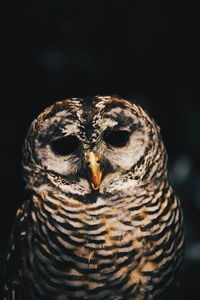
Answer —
(96, 173)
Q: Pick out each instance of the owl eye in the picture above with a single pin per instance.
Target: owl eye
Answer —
(117, 138)
(66, 145)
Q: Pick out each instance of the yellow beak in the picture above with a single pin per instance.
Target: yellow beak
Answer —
(96, 173)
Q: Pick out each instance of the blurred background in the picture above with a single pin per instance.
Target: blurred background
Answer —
(146, 50)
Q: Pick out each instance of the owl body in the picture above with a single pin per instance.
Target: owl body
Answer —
(102, 219)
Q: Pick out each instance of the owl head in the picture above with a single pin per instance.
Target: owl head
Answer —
(91, 145)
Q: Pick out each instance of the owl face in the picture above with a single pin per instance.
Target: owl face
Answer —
(92, 142)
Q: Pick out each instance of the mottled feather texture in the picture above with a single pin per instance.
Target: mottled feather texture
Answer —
(117, 235)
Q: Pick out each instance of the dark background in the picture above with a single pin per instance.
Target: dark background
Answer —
(146, 50)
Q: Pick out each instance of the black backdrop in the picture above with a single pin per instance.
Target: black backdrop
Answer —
(146, 50)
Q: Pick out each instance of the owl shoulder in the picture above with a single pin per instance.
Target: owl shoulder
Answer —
(18, 240)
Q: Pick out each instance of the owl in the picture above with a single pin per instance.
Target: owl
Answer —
(101, 220)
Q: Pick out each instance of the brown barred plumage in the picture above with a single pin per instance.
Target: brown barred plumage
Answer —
(102, 219)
